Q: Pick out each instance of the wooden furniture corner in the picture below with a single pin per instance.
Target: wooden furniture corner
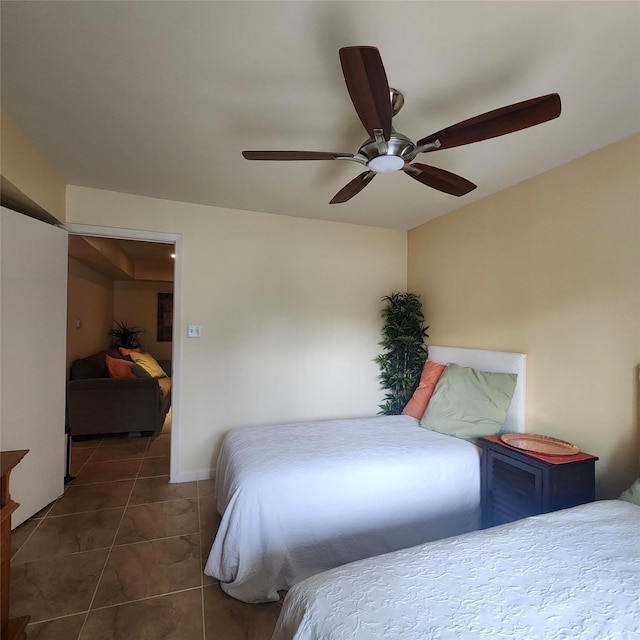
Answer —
(11, 629)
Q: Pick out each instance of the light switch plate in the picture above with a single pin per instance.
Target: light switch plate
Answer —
(194, 331)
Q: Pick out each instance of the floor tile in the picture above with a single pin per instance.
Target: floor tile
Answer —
(228, 619)
(209, 523)
(160, 446)
(92, 497)
(158, 489)
(177, 616)
(206, 487)
(21, 533)
(127, 436)
(209, 516)
(107, 471)
(55, 587)
(205, 550)
(91, 442)
(119, 451)
(158, 520)
(144, 569)
(206, 542)
(154, 467)
(150, 589)
(80, 455)
(61, 629)
(71, 534)
(44, 512)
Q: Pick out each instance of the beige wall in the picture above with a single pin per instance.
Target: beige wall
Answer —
(289, 308)
(95, 300)
(90, 303)
(551, 268)
(137, 303)
(23, 166)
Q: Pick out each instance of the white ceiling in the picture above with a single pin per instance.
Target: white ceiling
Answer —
(160, 98)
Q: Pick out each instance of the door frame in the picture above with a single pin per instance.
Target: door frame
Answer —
(165, 238)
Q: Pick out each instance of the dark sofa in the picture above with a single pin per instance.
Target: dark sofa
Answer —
(98, 404)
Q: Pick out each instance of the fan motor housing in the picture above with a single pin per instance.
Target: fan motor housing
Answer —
(397, 145)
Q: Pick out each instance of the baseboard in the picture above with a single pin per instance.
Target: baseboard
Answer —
(191, 476)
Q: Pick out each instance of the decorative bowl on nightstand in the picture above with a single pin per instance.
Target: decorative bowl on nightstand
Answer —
(540, 444)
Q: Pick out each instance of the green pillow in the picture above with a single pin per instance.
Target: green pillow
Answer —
(632, 494)
(468, 404)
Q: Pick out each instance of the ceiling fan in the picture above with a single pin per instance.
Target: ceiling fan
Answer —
(388, 150)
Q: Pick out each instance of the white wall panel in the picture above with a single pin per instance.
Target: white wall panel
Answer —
(33, 311)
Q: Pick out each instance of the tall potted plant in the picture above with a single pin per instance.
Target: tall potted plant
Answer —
(405, 350)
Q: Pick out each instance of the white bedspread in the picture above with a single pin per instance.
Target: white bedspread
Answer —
(303, 498)
(565, 575)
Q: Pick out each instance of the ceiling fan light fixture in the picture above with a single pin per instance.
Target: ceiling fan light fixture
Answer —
(387, 150)
(386, 164)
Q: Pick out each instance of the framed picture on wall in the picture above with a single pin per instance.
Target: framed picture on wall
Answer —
(165, 317)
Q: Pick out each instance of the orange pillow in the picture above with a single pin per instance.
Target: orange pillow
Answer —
(431, 373)
(126, 352)
(119, 368)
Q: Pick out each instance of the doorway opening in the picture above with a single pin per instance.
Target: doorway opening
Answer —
(145, 271)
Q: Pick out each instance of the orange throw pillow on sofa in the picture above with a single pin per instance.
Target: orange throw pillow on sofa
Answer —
(118, 368)
(126, 352)
(431, 373)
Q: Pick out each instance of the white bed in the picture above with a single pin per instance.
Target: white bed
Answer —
(298, 499)
(563, 575)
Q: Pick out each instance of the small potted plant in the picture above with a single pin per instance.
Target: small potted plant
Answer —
(124, 335)
(405, 350)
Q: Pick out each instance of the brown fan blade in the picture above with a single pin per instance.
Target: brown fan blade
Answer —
(498, 122)
(440, 179)
(366, 81)
(294, 155)
(355, 186)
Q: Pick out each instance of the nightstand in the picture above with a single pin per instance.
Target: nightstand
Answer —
(517, 483)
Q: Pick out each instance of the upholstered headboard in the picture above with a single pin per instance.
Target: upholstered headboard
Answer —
(496, 362)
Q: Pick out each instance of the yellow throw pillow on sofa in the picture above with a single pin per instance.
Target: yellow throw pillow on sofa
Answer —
(149, 364)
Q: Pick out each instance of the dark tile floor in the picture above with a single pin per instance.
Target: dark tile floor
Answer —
(120, 555)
